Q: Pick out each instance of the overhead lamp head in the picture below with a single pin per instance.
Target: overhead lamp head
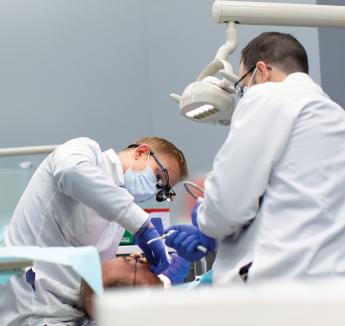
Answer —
(203, 101)
(209, 99)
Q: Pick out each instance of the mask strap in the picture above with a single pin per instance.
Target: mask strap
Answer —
(251, 79)
(133, 159)
(148, 159)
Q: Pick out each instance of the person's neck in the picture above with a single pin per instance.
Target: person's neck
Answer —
(278, 76)
(124, 159)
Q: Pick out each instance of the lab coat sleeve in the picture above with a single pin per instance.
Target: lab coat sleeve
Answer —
(76, 174)
(259, 132)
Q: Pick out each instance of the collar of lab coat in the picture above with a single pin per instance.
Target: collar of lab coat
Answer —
(116, 166)
(301, 77)
(298, 76)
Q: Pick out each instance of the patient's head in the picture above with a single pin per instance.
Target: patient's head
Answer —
(120, 272)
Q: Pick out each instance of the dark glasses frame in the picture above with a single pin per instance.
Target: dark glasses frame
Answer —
(166, 192)
(240, 89)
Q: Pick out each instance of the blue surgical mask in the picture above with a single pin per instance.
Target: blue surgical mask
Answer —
(141, 184)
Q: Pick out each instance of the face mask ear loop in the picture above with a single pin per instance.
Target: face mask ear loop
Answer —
(133, 159)
(148, 159)
(251, 79)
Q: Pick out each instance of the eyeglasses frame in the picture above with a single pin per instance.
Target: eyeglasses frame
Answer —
(238, 88)
(166, 191)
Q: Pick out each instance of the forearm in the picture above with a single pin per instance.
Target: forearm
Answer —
(225, 209)
(89, 185)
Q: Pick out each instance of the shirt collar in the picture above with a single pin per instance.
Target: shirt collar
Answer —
(116, 165)
(298, 76)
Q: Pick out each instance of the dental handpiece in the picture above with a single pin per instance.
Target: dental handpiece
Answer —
(161, 237)
(199, 247)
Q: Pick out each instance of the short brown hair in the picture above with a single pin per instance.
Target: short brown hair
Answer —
(163, 146)
(279, 49)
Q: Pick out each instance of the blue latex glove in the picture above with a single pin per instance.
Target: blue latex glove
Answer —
(155, 252)
(178, 269)
(194, 213)
(185, 240)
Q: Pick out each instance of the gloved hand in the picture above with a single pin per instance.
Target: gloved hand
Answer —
(185, 240)
(155, 252)
(178, 269)
(194, 213)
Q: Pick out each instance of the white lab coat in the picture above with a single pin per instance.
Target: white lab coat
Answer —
(75, 198)
(287, 144)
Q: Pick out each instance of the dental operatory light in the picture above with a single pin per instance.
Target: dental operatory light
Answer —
(211, 99)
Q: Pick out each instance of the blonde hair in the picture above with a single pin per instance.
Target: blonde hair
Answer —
(162, 146)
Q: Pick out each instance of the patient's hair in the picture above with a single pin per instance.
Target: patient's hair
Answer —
(279, 49)
(162, 146)
(120, 272)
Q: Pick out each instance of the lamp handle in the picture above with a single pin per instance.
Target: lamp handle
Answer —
(221, 66)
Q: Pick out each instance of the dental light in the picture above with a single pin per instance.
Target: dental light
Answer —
(209, 99)
(212, 100)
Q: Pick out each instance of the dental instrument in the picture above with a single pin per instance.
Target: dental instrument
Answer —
(164, 236)
(190, 186)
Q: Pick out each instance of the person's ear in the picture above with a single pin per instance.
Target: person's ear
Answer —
(262, 72)
(143, 149)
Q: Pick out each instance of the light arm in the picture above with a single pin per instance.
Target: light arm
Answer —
(278, 14)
